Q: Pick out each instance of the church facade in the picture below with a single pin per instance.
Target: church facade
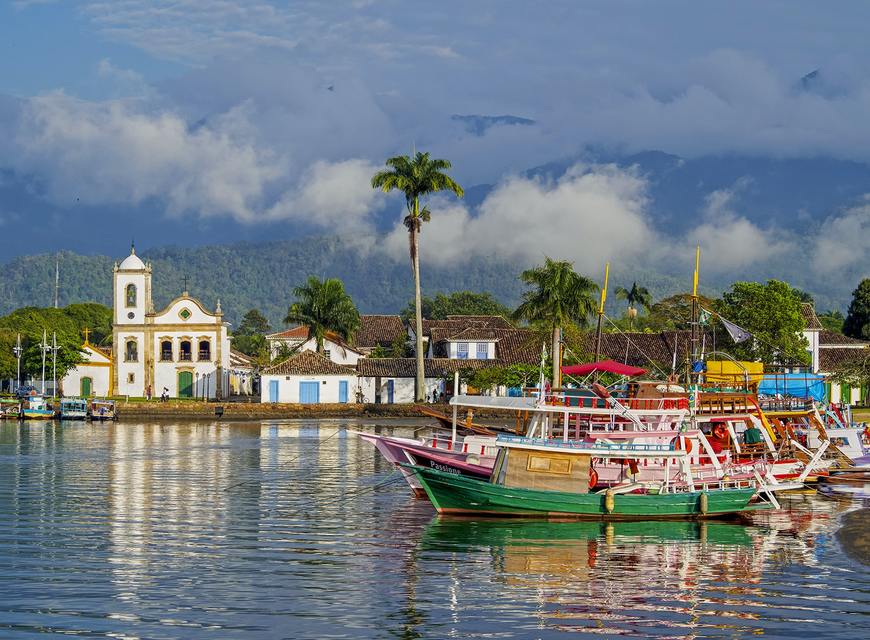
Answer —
(183, 349)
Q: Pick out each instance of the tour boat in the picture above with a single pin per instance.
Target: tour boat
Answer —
(101, 409)
(9, 408)
(73, 409)
(537, 477)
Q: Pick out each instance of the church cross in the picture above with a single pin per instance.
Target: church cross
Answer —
(87, 333)
(185, 284)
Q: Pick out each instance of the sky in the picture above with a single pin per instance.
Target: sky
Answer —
(245, 119)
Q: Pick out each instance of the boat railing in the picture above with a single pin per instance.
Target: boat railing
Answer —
(633, 404)
(603, 447)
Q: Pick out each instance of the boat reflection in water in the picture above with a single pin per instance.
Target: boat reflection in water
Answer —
(629, 577)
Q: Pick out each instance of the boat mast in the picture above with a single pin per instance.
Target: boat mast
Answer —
(601, 313)
(695, 310)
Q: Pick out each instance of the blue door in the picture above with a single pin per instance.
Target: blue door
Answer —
(273, 391)
(390, 387)
(342, 390)
(309, 392)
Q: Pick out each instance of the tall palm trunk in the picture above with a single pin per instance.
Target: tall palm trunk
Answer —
(557, 357)
(413, 240)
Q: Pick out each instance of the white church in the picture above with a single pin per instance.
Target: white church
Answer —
(183, 350)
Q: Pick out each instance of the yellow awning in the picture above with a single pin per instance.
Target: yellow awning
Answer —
(734, 373)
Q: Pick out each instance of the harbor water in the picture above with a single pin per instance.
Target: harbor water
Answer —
(300, 530)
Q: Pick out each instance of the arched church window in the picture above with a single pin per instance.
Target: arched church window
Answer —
(205, 350)
(185, 353)
(131, 351)
(166, 350)
(131, 295)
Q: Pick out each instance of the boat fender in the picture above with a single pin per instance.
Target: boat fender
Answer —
(472, 458)
(593, 478)
(719, 431)
(600, 390)
(679, 442)
(703, 501)
(609, 501)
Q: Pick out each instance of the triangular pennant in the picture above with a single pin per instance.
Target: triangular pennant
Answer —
(737, 334)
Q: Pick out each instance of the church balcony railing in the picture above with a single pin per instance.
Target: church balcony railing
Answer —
(185, 357)
(204, 355)
(166, 356)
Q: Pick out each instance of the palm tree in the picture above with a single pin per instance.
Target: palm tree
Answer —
(416, 177)
(559, 297)
(323, 306)
(636, 296)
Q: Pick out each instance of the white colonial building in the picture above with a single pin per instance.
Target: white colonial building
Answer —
(93, 377)
(183, 349)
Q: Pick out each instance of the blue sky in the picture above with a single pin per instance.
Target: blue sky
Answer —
(235, 117)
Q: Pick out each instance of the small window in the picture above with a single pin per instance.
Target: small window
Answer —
(131, 351)
(185, 353)
(166, 351)
(204, 350)
(131, 295)
(462, 350)
(131, 378)
(482, 351)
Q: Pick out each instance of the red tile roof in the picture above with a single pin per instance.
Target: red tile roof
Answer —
(377, 330)
(296, 333)
(833, 358)
(832, 337)
(808, 311)
(407, 367)
(309, 363)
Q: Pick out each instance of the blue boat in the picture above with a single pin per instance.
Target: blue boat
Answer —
(34, 407)
(73, 409)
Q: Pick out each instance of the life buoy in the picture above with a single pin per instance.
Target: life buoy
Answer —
(600, 390)
(719, 431)
(593, 478)
(679, 442)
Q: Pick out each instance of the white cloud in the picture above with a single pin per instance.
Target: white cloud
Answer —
(842, 243)
(591, 215)
(336, 196)
(731, 242)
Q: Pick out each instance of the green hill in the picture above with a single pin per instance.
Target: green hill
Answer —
(262, 275)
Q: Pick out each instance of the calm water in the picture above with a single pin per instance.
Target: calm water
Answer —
(298, 530)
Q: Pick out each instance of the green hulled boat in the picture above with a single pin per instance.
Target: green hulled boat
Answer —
(451, 493)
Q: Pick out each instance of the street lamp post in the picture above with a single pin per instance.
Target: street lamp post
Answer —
(54, 363)
(17, 350)
(45, 347)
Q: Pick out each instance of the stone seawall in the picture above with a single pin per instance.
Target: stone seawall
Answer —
(255, 411)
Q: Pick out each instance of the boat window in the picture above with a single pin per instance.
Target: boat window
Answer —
(166, 350)
(131, 295)
(185, 353)
(204, 350)
(132, 351)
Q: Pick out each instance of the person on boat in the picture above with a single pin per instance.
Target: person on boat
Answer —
(752, 435)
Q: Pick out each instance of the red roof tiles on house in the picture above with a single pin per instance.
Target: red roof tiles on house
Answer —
(309, 363)
(375, 330)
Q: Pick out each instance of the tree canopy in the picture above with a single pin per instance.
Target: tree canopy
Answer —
(857, 323)
(832, 320)
(323, 306)
(558, 296)
(458, 303)
(771, 312)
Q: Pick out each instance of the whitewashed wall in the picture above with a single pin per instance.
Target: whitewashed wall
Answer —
(101, 376)
(288, 387)
(403, 389)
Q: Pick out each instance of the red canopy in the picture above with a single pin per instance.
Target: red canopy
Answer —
(603, 366)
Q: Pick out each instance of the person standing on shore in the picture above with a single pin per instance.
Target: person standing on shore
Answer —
(148, 393)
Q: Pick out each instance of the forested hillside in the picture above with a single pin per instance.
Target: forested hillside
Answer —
(246, 276)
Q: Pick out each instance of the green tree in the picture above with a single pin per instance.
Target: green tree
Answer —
(635, 297)
(832, 320)
(854, 371)
(398, 349)
(772, 314)
(323, 306)
(458, 303)
(253, 323)
(416, 178)
(857, 324)
(671, 313)
(559, 297)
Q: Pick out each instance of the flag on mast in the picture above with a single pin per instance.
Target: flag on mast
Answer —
(737, 334)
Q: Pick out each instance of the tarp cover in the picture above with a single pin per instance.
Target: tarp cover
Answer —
(733, 373)
(602, 366)
(796, 385)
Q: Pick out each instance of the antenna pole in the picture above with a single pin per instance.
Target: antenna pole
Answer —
(56, 280)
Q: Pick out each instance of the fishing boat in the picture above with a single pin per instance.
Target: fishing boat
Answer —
(9, 408)
(101, 409)
(73, 409)
(35, 407)
(537, 477)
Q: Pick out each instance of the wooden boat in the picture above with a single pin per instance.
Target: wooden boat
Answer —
(73, 409)
(534, 477)
(468, 423)
(9, 408)
(34, 407)
(101, 409)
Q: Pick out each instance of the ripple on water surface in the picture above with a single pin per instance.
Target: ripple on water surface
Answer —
(299, 530)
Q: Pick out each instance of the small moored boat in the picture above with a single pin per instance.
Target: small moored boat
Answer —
(102, 409)
(73, 409)
(35, 407)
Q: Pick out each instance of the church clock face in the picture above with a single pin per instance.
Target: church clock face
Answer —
(131, 315)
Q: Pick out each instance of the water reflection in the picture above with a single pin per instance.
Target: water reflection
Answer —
(299, 530)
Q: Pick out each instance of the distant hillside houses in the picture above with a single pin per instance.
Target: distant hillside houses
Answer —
(452, 344)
